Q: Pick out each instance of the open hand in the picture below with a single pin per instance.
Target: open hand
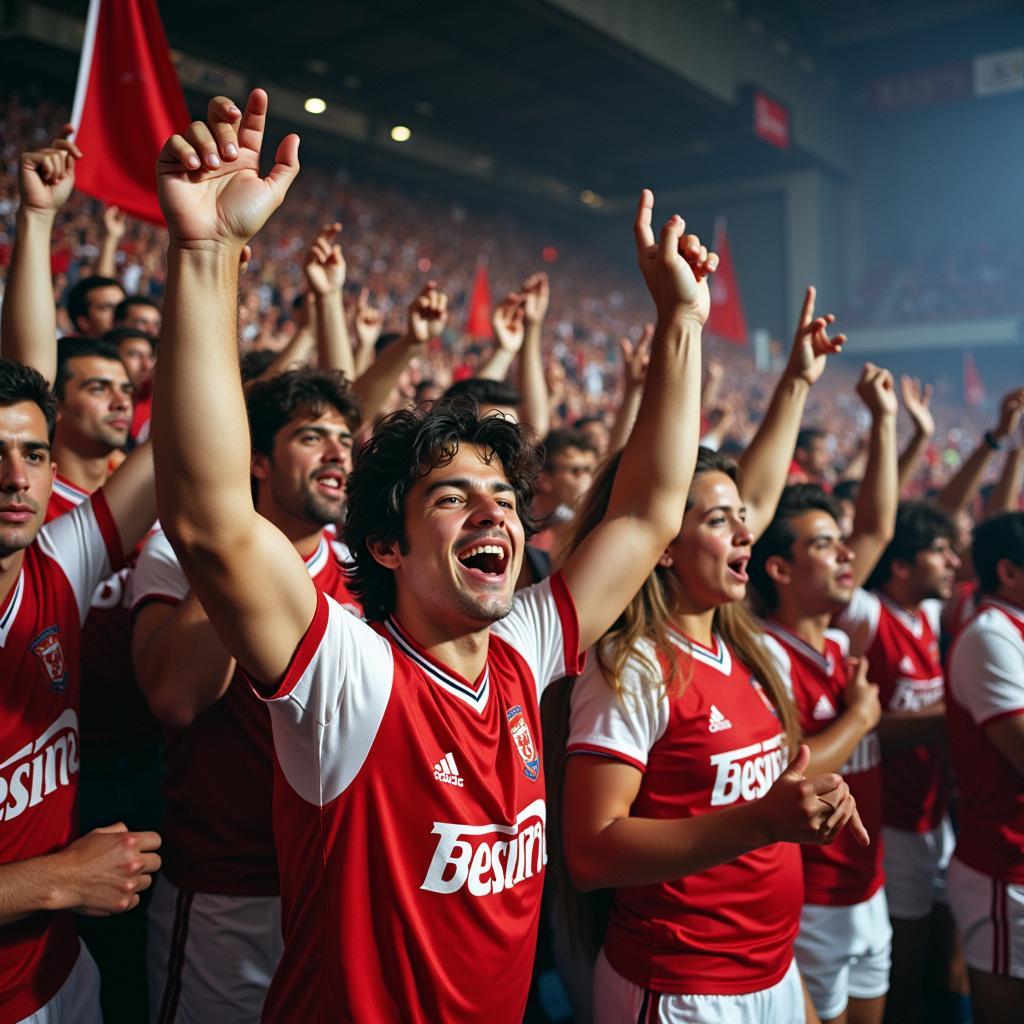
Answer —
(208, 180)
(635, 358)
(917, 402)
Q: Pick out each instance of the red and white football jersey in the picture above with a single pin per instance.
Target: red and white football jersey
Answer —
(728, 930)
(114, 709)
(40, 644)
(902, 648)
(986, 683)
(844, 873)
(410, 817)
(217, 827)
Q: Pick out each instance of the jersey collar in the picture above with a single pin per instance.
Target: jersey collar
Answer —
(716, 656)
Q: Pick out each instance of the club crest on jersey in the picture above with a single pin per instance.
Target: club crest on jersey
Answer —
(46, 647)
(520, 730)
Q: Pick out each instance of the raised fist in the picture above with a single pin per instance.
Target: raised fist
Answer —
(46, 177)
(877, 391)
(428, 314)
(325, 264)
(508, 322)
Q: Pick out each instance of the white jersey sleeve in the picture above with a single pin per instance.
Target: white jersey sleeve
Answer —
(986, 670)
(931, 608)
(158, 576)
(327, 709)
(622, 726)
(859, 620)
(543, 628)
(780, 659)
(85, 544)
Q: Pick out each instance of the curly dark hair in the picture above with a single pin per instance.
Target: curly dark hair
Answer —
(406, 446)
(272, 403)
(779, 537)
(23, 384)
(919, 524)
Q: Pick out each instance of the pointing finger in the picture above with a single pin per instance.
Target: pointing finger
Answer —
(642, 224)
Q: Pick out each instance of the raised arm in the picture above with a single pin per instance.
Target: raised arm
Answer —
(428, 314)
(250, 579)
(1005, 496)
(297, 352)
(131, 496)
(509, 332)
(28, 332)
(960, 491)
(766, 461)
(325, 272)
(635, 359)
(114, 223)
(534, 412)
(369, 322)
(875, 517)
(916, 400)
(648, 498)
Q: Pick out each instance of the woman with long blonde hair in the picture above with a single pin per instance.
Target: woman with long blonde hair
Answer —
(688, 810)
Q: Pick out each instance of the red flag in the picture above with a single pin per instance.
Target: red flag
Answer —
(127, 102)
(974, 388)
(478, 324)
(727, 320)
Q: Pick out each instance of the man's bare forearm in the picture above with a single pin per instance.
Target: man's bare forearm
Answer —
(29, 328)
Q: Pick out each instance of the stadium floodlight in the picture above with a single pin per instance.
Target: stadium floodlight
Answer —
(315, 105)
(400, 133)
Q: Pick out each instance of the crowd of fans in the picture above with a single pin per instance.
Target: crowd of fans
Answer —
(299, 683)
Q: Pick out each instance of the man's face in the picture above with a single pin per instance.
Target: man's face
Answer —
(569, 476)
(101, 303)
(142, 317)
(818, 577)
(139, 360)
(305, 477)
(96, 412)
(932, 573)
(814, 457)
(463, 544)
(26, 475)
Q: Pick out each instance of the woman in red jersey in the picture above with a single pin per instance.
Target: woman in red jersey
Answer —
(688, 808)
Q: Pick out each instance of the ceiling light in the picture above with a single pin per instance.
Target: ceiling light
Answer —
(315, 105)
(400, 133)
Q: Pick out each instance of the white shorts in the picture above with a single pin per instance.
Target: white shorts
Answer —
(618, 1001)
(843, 952)
(915, 869)
(77, 1000)
(990, 918)
(210, 958)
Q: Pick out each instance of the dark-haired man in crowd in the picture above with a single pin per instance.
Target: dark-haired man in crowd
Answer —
(570, 458)
(137, 350)
(985, 714)
(140, 312)
(121, 759)
(215, 918)
(805, 570)
(48, 575)
(91, 304)
(812, 459)
(895, 625)
(409, 797)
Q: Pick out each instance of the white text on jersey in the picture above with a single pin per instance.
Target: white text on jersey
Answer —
(466, 855)
(37, 770)
(748, 772)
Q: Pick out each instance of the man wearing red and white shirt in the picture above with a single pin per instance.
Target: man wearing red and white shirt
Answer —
(47, 577)
(215, 919)
(895, 626)
(985, 715)
(409, 799)
(803, 573)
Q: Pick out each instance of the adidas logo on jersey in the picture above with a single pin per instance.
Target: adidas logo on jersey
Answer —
(446, 771)
(717, 721)
(823, 709)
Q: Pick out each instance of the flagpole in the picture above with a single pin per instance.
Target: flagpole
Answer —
(85, 63)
